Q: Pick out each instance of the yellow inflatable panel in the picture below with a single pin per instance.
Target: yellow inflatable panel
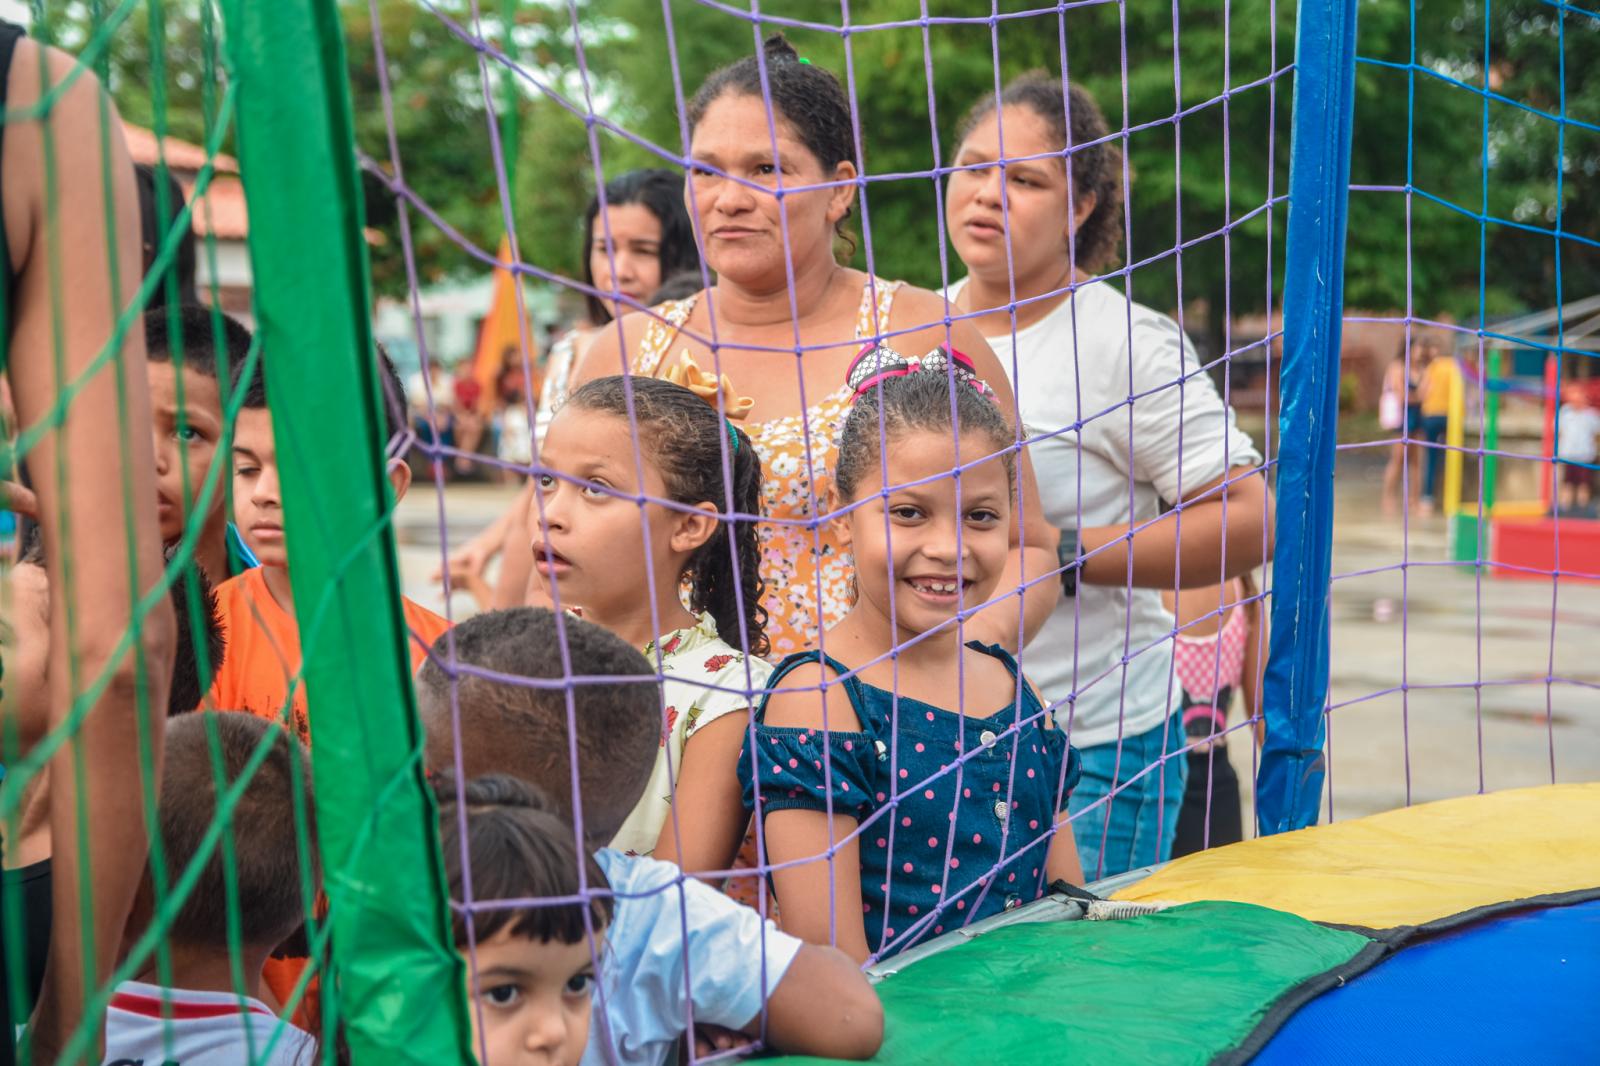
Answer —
(1404, 867)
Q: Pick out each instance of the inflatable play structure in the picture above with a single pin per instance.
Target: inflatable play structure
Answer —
(1460, 931)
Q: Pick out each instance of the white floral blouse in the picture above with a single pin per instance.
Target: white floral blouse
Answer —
(702, 679)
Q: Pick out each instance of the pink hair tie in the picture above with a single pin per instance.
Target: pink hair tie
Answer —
(877, 363)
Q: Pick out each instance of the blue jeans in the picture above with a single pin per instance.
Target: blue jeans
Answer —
(1138, 824)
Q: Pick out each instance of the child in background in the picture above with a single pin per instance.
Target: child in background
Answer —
(202, 1011)
(260, 672)
(532, 992)
(590, 552)
(1219, 649)
(187, 435)
(1440, 373)
(1577, 425)
(940, 845)
(674, 943)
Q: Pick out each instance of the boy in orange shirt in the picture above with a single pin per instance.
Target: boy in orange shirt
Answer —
(260, 672)
(187, 433)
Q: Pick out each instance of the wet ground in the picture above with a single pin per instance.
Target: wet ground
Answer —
(1442, 681)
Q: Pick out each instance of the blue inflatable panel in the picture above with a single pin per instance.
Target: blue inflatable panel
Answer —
(1519, 989)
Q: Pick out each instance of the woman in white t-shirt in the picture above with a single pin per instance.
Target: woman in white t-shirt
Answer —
(1121, 417)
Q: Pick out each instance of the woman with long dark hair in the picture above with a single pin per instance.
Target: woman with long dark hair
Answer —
(643, 238)
(785, 320)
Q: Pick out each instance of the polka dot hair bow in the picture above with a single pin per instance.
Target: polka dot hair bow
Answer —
(879, 362)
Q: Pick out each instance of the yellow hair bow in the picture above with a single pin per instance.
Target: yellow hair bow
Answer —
(708, 386)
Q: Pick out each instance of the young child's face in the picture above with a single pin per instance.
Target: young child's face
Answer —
(185, 447)
(590, 545)
(257, 507)
(257, 503)
(933, 575)
(532, 1000)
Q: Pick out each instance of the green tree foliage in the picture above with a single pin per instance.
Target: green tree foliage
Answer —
(1207, 122)
(1502, 154)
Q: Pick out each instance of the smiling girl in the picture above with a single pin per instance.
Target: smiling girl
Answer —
(934, 772)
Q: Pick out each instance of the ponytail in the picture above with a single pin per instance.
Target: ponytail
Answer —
(688, 439)
(725, 571)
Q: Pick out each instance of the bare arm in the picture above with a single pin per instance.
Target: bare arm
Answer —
(1061, 863)
(1257, 642)
(604, 355)
(516, 554)
(819, 899)
(1215, 546)
(711, 813)
(472, 557)
(103, 442)
(824, 1006)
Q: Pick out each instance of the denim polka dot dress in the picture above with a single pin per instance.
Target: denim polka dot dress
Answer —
(952, 830)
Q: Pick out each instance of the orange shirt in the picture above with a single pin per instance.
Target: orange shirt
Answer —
(263, 653)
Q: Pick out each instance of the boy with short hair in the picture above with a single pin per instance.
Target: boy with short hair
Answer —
(814, 998)
(210, 1023)
(187, 434)
(260, 673)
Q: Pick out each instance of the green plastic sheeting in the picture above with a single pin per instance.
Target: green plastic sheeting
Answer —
(396, 981)
(1186, 985)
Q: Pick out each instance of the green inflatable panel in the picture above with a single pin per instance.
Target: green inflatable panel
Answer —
(1187, 985)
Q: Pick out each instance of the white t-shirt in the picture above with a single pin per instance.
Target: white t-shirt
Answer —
(1172, 436)
(207, 1029)
(1575, 439)
(642, 1007)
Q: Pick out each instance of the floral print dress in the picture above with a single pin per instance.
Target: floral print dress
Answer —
(702, 679)
(807, 572)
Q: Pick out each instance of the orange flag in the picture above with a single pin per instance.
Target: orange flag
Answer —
(499, 339)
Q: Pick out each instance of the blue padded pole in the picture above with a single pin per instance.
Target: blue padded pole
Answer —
(1289, 785)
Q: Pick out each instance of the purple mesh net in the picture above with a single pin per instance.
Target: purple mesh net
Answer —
(1147, 437)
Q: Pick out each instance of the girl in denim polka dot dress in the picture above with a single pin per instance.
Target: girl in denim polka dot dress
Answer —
(909, 783)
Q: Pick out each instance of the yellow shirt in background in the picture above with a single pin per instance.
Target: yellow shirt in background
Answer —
(1436, 382)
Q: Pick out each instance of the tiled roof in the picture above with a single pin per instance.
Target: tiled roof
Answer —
(181, 155)
(221, 213)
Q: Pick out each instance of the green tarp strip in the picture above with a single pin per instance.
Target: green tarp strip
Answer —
(399, 983)
(1184, 985)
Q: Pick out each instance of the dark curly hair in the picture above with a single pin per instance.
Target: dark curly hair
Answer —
(807, 97)
(661, 193)
(684, 436)
(1096, 170)
(916, 401)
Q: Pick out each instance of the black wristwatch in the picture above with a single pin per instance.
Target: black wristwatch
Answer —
(1067, 555)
